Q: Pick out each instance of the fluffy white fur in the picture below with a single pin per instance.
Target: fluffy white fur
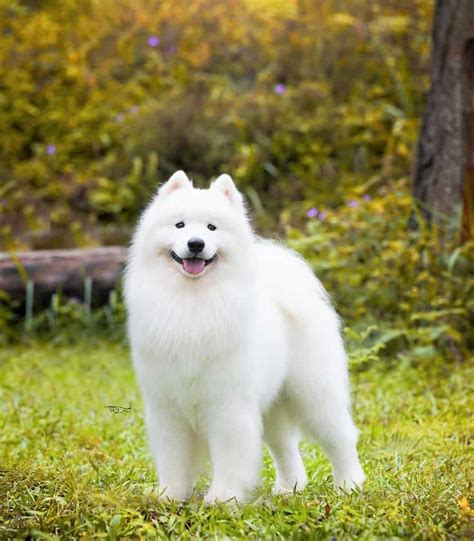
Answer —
(248, 349)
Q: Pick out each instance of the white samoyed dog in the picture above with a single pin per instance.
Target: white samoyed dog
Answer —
(233, 341)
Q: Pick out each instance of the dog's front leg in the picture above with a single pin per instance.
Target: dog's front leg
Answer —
(172, 443)
(234, 436)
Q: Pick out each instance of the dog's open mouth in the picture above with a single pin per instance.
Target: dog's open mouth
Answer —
(193, 265)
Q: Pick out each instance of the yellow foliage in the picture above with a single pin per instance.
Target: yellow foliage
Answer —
(294, 97)
(342, 20)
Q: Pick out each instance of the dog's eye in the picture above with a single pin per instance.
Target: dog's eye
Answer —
(179, 225)
(211, 227)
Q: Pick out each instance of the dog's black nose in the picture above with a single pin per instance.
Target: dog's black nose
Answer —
(195, 245)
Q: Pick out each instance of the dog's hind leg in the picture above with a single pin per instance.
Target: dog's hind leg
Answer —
(282, 437)
(318, 393)
(334, 430)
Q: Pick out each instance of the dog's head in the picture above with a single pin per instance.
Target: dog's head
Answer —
(193, 230)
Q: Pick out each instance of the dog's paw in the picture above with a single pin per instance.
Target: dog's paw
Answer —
(215, 495)
(353, 480)
(286, 488)
(174, 494)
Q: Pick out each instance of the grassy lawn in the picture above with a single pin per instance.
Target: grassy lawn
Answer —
(70, 467)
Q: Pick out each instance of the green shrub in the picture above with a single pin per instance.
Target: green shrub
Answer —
(415, 293)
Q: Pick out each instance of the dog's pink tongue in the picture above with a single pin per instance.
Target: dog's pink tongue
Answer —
(193, 266)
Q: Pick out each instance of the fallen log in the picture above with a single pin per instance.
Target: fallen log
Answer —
(85, 274)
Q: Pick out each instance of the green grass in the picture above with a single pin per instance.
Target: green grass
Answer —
(72, 468)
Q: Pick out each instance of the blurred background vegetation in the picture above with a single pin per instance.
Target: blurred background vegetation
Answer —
(301, 101)
(312, 106)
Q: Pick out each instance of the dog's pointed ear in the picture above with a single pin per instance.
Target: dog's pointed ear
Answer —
(177, 181)
(225, 185)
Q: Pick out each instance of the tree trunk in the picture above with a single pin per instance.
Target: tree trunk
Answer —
(88, 274)
(443, 165)
(468, 127)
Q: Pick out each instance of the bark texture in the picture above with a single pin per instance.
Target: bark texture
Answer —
(468, 127)
(443, 152)
(70, 271)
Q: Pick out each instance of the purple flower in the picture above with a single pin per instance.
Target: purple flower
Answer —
(119, 118)
(153, 41)
(353, 204)
(322, 216)
(367, 197)
(280, 89)
(51, 150)
(312, 212)
(134, 109)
